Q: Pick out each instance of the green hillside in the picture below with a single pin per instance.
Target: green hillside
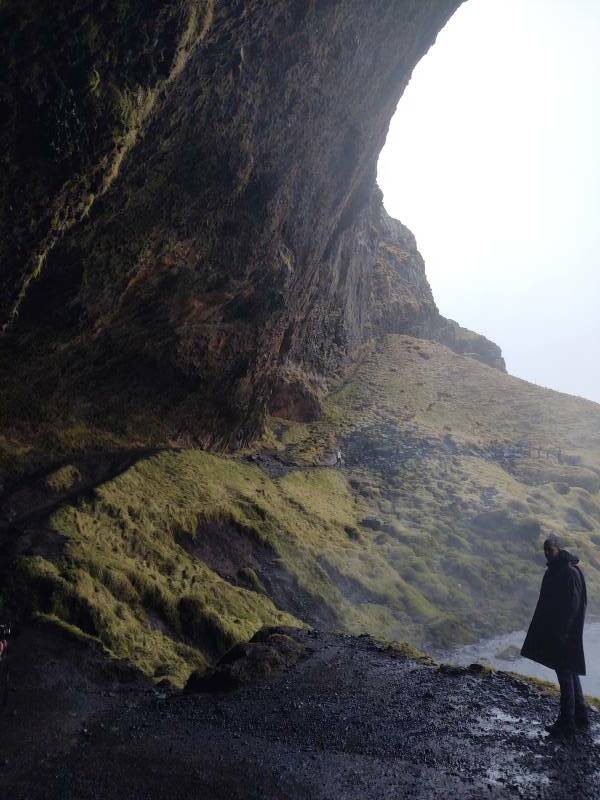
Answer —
(430, 531)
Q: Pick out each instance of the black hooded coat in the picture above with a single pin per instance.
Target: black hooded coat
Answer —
(555, 635)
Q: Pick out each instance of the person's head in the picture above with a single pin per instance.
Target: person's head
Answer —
(551, 547)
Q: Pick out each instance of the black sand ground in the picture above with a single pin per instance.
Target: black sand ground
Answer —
(351, 721)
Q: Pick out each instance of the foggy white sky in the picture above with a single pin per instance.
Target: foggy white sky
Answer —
(493, 161)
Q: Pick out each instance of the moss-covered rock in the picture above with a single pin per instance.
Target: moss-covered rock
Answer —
(267, 653)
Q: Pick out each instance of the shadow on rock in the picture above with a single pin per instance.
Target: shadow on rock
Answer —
(270, 651)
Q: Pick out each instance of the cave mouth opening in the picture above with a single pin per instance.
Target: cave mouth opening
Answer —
(492, 161)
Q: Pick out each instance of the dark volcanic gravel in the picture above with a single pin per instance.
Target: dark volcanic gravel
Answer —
(352, 720)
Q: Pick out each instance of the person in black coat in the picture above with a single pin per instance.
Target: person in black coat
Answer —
(555, 635)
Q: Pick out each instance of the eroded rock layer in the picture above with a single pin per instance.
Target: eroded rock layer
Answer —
(192, 186)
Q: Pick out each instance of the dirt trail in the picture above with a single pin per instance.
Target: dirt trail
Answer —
(351, 721)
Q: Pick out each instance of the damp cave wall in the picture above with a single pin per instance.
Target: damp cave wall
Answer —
(189, 200)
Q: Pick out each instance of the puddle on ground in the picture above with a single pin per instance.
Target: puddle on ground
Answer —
(502, 716)
(512, 772)
(497, 719)
(524, 780)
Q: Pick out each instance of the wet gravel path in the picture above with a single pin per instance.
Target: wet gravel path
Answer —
(352, 720)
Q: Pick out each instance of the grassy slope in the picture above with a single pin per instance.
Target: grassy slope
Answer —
(458, 525)
(420, 536)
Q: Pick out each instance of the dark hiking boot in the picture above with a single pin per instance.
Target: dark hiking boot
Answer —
(561, 729)
(582, 720)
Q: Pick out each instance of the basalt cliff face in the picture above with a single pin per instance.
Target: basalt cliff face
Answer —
(190, 224)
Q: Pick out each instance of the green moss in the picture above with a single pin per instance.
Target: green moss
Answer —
(407, 650)
(449, 631)
(456, 553)
(545, 687)
(441, 538)
(249, 577)
(124, 579)
(63, 479)
(71, 631)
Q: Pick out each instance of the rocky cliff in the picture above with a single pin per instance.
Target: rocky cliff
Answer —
(192, 238)
(189, 213)
(401, 300)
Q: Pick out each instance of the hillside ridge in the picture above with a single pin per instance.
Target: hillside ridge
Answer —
(429, 530)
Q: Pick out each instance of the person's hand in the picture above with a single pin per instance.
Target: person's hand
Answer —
(3, 646)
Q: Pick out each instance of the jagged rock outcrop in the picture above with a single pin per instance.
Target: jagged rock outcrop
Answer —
(402, 301)
(380, 287)
(469, 343)
(192, 186)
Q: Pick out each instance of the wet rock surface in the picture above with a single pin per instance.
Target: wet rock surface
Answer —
(194, 186)
(352, 719)
(268, 652)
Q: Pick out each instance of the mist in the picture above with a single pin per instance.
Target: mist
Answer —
(492, 160)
